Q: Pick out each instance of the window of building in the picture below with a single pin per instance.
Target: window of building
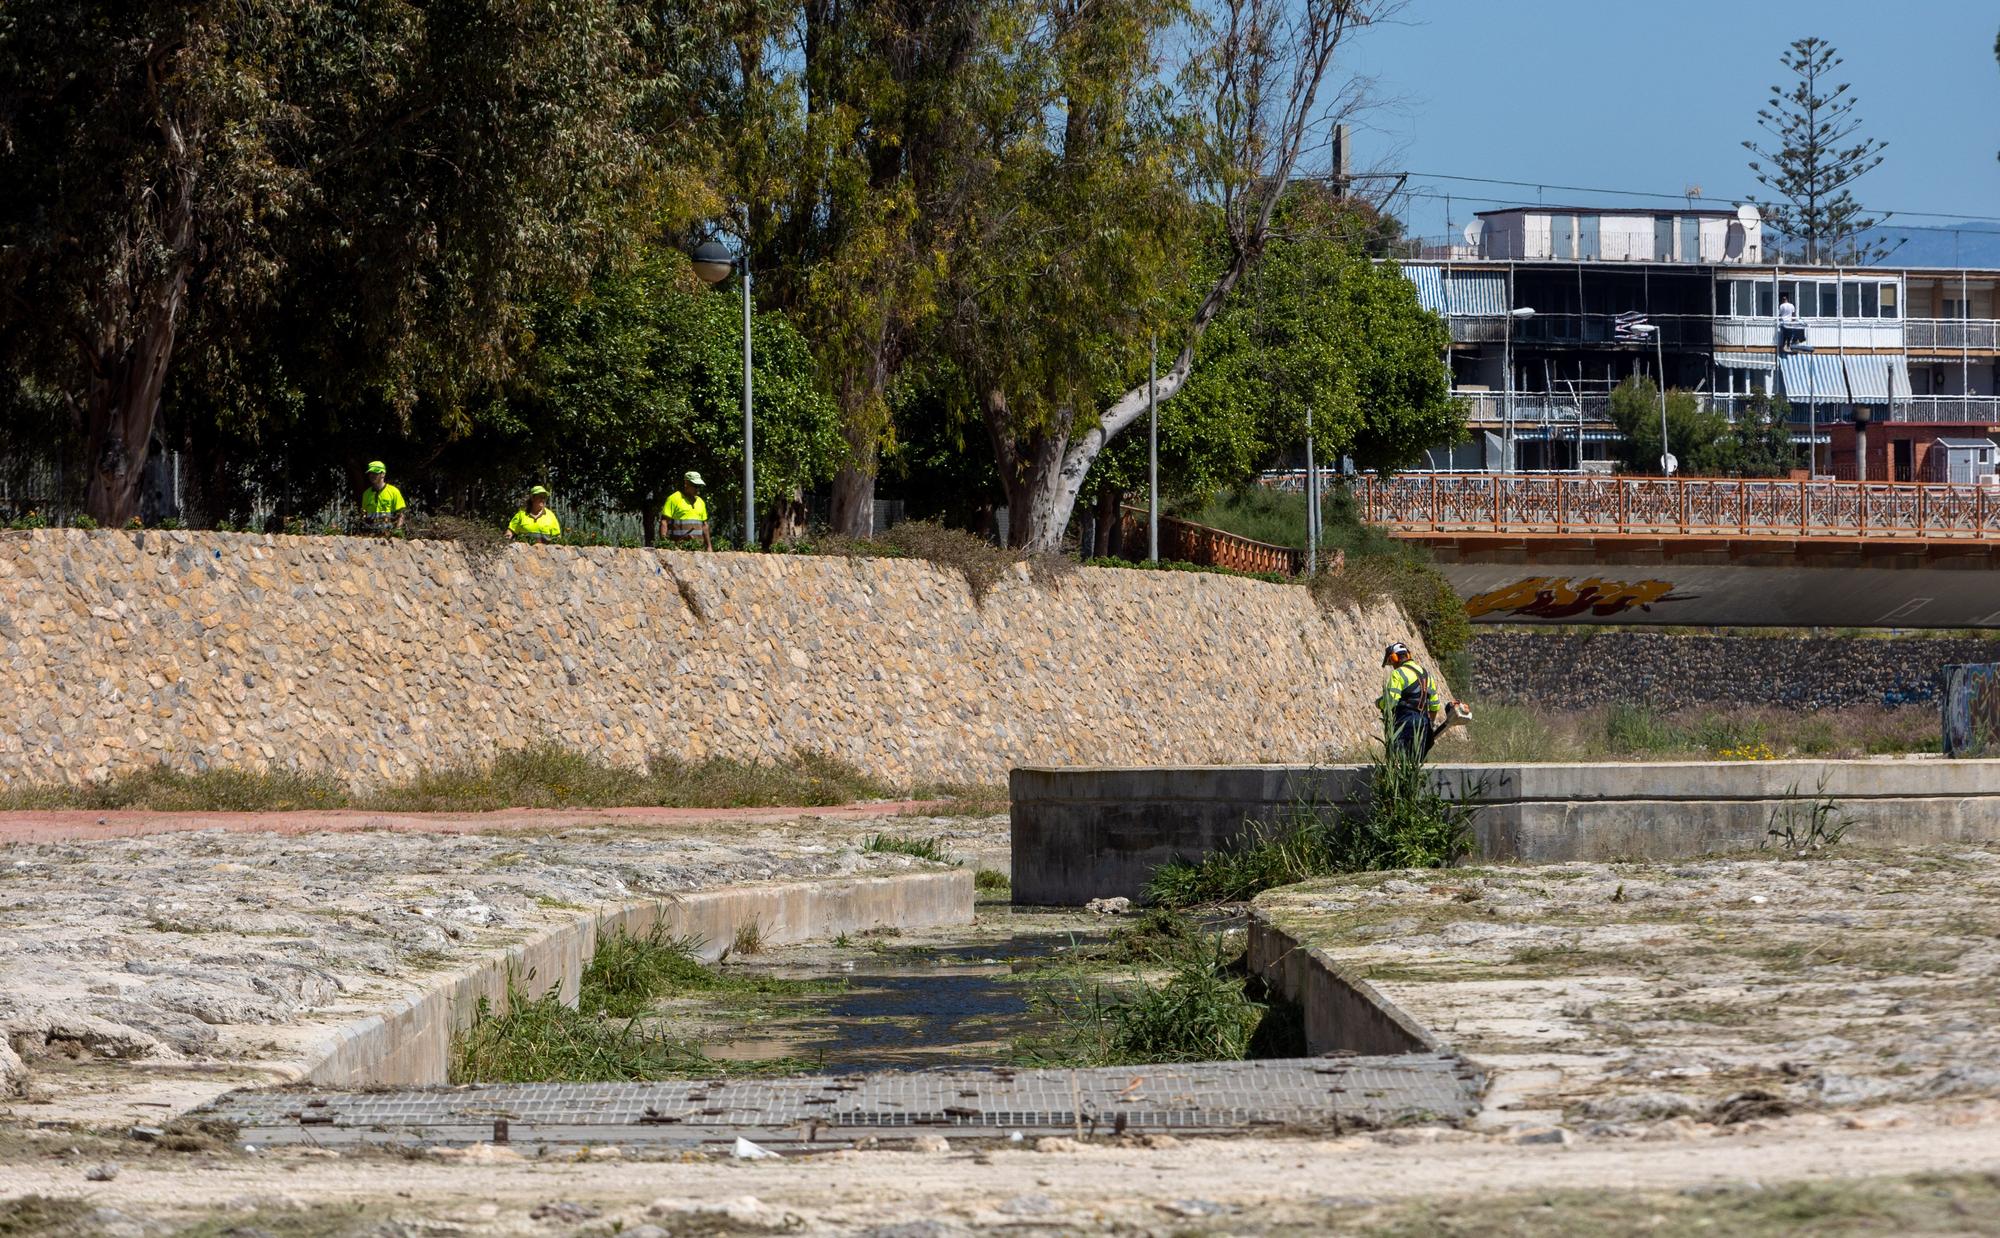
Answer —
(1850, 298)
(1889, 300)
(1871, 303)
(1762, 288)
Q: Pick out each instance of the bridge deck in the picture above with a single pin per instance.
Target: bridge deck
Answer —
(1656, 507)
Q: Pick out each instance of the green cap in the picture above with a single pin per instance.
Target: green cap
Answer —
(541, 490)
(376, 466)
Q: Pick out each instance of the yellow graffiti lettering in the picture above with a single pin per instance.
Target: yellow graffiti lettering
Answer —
(1554, 597)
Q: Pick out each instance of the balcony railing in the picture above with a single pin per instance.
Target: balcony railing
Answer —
(1982, 409)
(1951, 334)
(1442, 503)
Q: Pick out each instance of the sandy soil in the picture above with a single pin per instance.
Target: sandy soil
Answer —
(1240, 1186)
(56, 825)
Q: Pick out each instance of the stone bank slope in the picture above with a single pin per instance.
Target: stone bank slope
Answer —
(370, 659)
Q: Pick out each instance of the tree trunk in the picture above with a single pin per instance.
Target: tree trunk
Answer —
(1110, 522)
(787, 519)
(854, 489)
(123, 402)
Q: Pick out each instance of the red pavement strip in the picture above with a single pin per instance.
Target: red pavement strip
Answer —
(66, 825)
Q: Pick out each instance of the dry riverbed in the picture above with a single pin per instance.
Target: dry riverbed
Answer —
(1617, 996)
(139, 975)
(1627, 1007)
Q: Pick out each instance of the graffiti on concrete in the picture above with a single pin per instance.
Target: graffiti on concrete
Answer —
(1557, 597)
(1972, 709)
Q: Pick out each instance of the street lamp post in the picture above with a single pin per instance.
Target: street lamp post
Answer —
(1507, 361)
(712, 264)
(1153, 454)
(1668, 464)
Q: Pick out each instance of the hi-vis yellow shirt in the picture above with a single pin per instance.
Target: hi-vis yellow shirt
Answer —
(684, 519)
(544, 525)
(678, 508)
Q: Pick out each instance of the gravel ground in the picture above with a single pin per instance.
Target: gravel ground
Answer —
(144, 973)
(1703, 992)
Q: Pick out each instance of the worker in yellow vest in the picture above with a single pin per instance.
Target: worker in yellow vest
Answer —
(685, 516)
(1409, 701)
(535, 522)
(382, 505)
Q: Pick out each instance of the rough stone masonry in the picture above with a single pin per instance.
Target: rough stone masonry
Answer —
(370, 659)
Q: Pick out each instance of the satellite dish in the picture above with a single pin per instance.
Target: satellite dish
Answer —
(1749, 216)
(1669, 465)
(1735, 240)
(1475, 233)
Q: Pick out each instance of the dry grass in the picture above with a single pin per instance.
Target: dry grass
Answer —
(542, 777)
(1523, 733)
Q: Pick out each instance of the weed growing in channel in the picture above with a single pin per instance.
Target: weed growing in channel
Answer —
(1807, 826)
(605, 1036)
(903, 844)
(991, 881)
(1204, 1008)
(1407, 823)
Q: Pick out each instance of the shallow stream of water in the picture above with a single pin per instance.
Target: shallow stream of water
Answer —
(947, 998)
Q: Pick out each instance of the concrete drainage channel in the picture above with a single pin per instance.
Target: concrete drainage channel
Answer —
(1369, 1076)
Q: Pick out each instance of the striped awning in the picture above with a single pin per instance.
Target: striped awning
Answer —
(1430, 286)
(1464, 294)
(1867, 379)
(1480, 293)
(1813, 378)
(1746, 360)
(1899, 380)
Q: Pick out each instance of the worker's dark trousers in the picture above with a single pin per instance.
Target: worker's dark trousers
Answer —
(1411, 729)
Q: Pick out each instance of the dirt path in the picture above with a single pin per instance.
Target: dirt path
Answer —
(1245, 1185)
(67, 824)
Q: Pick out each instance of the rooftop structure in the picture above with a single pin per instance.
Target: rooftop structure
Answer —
(1539, 342)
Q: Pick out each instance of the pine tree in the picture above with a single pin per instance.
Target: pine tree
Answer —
(1814, 156)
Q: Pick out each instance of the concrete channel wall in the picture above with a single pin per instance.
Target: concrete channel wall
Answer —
(1083, 833)
(1343, 1013)
(410, 1042)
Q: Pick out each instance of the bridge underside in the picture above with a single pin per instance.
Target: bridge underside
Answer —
(1726, 582)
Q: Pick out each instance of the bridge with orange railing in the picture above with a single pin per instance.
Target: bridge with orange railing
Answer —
(1703, 551)
(1653, 507)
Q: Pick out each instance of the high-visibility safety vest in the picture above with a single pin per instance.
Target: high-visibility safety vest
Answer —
(384, 502)
(541, 527)
(1409, 688)
(684, 519)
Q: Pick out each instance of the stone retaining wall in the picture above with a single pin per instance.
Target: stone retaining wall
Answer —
(371, 659)
(1676, 672)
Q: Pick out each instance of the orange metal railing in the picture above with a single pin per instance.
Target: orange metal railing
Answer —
(1653, 506)
(1183, 541)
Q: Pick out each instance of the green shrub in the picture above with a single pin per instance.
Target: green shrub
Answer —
(903, 844)
(1640, 729)
(1406, 823)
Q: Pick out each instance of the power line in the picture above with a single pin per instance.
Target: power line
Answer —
(1677, 197)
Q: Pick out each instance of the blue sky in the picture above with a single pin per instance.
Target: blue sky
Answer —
(1658, 96)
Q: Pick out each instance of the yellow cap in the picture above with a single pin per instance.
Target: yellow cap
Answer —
(541, 490)
(376, 466)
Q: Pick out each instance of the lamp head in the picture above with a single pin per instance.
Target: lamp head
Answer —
(712, 262)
